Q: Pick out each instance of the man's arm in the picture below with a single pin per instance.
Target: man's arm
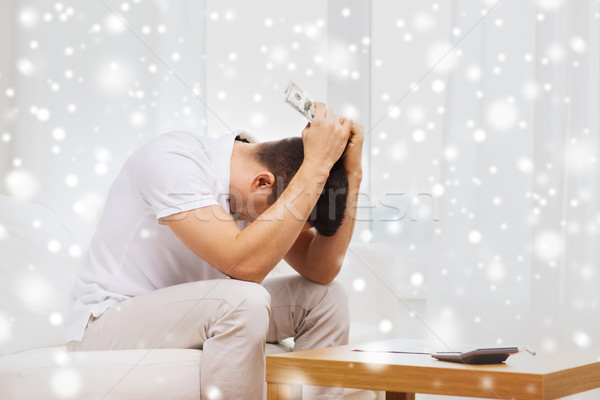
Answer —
(250, 254)
(319, 258)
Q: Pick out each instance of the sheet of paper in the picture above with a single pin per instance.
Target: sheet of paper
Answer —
(417, 346)
(412, 346)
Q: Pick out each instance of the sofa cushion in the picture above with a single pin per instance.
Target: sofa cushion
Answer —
(53, 373)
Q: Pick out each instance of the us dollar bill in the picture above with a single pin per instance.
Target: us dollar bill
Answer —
(299, 100)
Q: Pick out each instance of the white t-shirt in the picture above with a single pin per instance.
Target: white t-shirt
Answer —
(131, 252)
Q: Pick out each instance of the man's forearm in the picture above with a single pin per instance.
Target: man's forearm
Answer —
(266, 240)
(324, 255)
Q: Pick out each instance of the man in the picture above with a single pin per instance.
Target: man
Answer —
(225, 209)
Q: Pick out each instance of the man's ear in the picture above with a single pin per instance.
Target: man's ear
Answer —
(263, 180)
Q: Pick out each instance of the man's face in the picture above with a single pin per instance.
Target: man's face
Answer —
(248, 206)
(256, 204)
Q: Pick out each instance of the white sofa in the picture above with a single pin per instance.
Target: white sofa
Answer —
(39, 255)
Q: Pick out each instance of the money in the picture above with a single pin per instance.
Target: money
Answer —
(296, 98)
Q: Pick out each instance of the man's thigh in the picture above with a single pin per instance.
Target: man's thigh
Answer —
(178, 316)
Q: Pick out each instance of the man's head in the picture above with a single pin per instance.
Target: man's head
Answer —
(281, 159)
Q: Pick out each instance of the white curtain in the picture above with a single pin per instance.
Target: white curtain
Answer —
(520, 213)
(80, 90)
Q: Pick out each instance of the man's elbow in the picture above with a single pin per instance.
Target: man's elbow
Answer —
(248, 274)
(329, 274)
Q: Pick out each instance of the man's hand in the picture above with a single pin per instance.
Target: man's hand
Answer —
(353, 154)
(325, 138)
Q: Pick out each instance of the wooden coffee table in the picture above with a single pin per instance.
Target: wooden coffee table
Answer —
(522, 377)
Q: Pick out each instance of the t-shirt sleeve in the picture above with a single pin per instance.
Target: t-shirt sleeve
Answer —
(171, 182)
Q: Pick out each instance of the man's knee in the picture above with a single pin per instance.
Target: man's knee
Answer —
(246, 301)
(331, 313)
(332, 296)
(253, 308)
(237, 293)
(253, 294)
(337, 297)
(337, 291)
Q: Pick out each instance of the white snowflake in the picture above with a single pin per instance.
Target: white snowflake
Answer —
(501, 115)
(385, 326)
(359, 284)
(66, 383)
(424, 22)
(29, 17)
(25, 66)
(417, 279)
(474, 237)
(582, 339)
(578, 45)
(56, 319)
(114, 25)
(548, 245)
(21, 183)
(366, 235)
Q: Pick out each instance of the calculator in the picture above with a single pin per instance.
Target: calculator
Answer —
(488, 355)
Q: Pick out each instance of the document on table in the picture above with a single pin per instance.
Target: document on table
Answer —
(411, 346)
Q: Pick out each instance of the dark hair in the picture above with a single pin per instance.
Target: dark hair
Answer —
(283, 159)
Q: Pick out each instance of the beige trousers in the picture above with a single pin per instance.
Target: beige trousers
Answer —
(230, 320)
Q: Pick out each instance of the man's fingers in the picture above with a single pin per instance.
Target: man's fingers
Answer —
(305, 129)
(357, 128)
(347, 125)
(320, 110)
(331, 114)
